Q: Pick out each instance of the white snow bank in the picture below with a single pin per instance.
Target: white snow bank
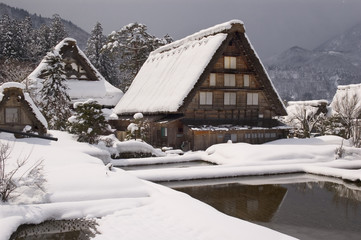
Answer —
(315, 155)
(80, 186)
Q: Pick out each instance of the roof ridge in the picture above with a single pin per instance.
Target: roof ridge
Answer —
(219, 28)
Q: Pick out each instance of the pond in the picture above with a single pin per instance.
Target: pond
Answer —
(166, 165)
(300, 205)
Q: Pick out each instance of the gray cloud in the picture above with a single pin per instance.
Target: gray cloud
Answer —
(272, 25)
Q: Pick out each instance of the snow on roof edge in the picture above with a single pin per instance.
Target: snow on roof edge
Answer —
(198, 35)
(265, 71)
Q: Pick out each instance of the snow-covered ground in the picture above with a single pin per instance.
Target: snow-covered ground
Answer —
(314, 155)
(80, 186)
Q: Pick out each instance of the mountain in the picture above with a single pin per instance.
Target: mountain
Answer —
(301, 74)
(74, 31)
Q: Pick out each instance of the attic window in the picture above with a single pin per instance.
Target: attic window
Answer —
(246, 80)
(252, 98)
(230, 98)
(12, 115)
(229, 62)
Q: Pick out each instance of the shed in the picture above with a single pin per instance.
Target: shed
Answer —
(18, 111)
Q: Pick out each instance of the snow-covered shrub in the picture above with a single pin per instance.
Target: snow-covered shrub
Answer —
(88, 122)
(340, 151)
(138, 129)
(19, 177)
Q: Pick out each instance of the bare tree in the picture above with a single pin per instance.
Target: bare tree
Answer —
(306, 117)
(23, 174)
(347, 109)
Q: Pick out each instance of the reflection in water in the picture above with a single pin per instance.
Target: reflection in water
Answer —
(254, 203)
(80, 229)
(308, 210)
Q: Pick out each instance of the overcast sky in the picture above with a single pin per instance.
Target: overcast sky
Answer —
(272, 25)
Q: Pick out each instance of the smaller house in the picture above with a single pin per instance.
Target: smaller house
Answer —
(18, 111)
(82, 78)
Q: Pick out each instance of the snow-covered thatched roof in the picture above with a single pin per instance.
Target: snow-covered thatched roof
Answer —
(94, 87)
(27, 98)
(171, 72)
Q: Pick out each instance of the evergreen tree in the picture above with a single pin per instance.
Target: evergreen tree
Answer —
(55, 100)
(88, 122)
(129, 48)
(57, 31)
(94, 46)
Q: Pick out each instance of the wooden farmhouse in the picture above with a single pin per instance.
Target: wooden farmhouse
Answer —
(18, 111)
(207, 88)
(83, 80)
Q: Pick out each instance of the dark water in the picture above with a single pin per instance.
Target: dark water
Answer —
(308, 210)
(75, 229)
(167, 165)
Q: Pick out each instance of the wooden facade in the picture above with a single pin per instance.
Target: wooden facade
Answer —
(233, 99)
(17, 112)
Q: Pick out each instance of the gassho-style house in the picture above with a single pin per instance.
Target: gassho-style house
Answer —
(207, 88)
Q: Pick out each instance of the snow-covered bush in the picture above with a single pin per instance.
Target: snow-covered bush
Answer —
(20, 176)
(88, 122)
(138, 129)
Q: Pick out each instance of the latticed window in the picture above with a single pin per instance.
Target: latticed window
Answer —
(12, 115)
(212, 79)
(229, 80)
(229, 62)
(246, 80)
(252, 98)
(230, 98)
(205, 98)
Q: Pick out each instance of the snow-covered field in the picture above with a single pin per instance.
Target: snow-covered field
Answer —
(80, 186)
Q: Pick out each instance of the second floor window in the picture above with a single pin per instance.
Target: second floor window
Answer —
(205, 98)
(229, 98)
(252, 98)
(12, 115)
(230, 62)
(212, 79)
(246, 80)
(229, 80)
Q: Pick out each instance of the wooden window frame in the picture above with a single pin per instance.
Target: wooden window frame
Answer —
(229, 80)
(230, 62)
(205, 98)
(17, 120)
(228, 100)
(246, 80)
(252, 99)
(212, 79)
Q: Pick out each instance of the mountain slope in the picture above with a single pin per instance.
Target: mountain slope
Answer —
(300, 74)
(74, 31)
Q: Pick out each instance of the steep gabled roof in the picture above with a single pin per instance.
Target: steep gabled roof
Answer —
(27, 99)
(89, 84)
(172, 73)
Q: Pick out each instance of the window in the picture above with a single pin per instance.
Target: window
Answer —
(234, 137)
(229, 80)
(12, 115)
(246, 80)
(212, 79)
(205, 98)
(164, 131)
(230, 98)
(252, 98)
(229, 62)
